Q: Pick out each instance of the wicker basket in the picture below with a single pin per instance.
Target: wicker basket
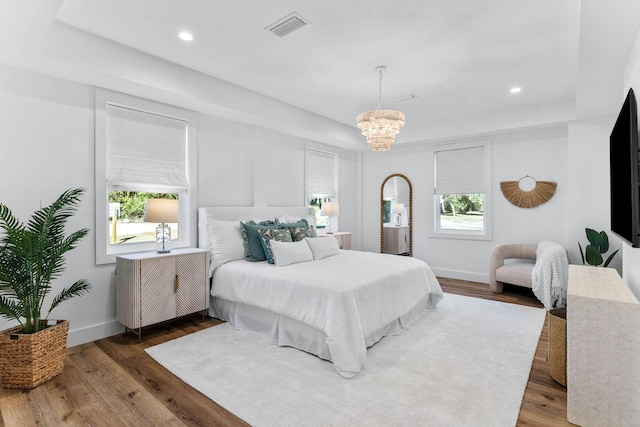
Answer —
(28, 360)
(558, 345)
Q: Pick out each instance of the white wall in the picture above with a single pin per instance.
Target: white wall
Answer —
(589, 183)
(241, 165)
(538, 153)
(47, 140)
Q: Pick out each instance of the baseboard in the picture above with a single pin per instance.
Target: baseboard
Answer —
(93, 333)
(461, 275)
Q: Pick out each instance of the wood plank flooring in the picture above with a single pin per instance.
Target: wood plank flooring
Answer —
(112, 382)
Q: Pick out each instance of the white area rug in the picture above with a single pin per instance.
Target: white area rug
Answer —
(464, 363)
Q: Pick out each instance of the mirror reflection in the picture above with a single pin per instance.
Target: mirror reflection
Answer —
(396, 201)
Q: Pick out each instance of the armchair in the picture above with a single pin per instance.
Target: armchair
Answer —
(512, 264)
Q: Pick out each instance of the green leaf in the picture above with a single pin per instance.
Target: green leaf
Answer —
(606, 263)
(581, 253)
(77, 289)
(604, 245)
(10, 308)
(593, 256)
(594, 238)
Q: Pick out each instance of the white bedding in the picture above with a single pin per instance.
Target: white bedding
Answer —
(354, 298)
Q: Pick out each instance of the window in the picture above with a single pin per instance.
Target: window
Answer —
(322, 182)
(462, 191)
(126, 217)
(143, 150)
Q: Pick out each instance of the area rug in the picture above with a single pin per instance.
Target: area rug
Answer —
(464, 363)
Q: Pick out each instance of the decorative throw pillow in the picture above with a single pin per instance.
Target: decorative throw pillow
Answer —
(323, 247)
(299, 233)
(287, 253)
(253, 250)
(287, 219)
(225, 242)
(299, 223)
(277, 234)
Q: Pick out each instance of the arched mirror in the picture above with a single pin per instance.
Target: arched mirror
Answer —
(396, 216)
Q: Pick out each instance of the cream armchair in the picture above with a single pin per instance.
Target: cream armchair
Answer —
(512, 264)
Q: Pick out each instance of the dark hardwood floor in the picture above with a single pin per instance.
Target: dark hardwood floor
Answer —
(112, 382)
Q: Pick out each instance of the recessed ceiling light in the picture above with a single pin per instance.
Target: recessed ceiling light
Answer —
(186, 36)
(515, 89)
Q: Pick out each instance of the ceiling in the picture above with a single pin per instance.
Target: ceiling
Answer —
(459, 58)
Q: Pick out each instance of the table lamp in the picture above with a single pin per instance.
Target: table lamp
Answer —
(162, 211)
(330, 209)
(397, 209)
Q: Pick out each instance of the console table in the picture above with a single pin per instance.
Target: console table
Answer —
(603, 349)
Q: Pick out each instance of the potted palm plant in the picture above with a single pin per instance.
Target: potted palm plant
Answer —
(31, 257)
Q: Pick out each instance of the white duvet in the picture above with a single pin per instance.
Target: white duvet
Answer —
(349, 296)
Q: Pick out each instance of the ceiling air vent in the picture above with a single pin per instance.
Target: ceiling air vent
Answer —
(288, 24)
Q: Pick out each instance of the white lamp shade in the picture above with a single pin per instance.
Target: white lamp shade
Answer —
(330, 209)
(397, 208)
(161, 211)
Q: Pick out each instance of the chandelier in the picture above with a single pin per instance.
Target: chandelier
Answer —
(379, 126)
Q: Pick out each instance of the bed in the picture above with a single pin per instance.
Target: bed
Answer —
(335, 307)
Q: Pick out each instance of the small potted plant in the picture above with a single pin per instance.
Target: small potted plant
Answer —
(598, 246)
(31, 256)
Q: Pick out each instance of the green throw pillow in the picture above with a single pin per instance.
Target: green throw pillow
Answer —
(302, 222)
(279, 234)
(299, 233)
(252, 244)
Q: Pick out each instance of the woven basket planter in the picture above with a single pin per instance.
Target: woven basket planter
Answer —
(28, 360)
(558, 345)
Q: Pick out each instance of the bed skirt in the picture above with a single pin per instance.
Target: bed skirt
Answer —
(281, 330)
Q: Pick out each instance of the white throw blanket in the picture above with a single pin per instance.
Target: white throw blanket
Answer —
(550, 275)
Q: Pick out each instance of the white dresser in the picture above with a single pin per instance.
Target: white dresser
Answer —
(153, 287)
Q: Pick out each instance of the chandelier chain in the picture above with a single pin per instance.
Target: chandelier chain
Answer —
(380, 89)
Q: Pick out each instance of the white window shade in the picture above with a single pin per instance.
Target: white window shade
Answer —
(390, 190)
(322, 174)
(460, 171)
(145, 151)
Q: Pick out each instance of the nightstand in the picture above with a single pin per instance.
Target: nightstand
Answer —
(396, 240)
(153, 287)
(343, 237)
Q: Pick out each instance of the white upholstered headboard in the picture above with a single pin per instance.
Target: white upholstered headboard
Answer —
(228, 213)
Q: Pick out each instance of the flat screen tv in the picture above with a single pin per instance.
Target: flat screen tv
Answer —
(623, 159)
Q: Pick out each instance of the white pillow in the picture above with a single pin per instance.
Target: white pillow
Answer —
(285, 253)
(323, 247)
(225, 242)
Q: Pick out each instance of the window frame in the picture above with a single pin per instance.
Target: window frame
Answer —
(486, 233)
(105, 252)
(330, 198)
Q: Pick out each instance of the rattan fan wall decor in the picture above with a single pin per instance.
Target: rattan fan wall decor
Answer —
(542, 192)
